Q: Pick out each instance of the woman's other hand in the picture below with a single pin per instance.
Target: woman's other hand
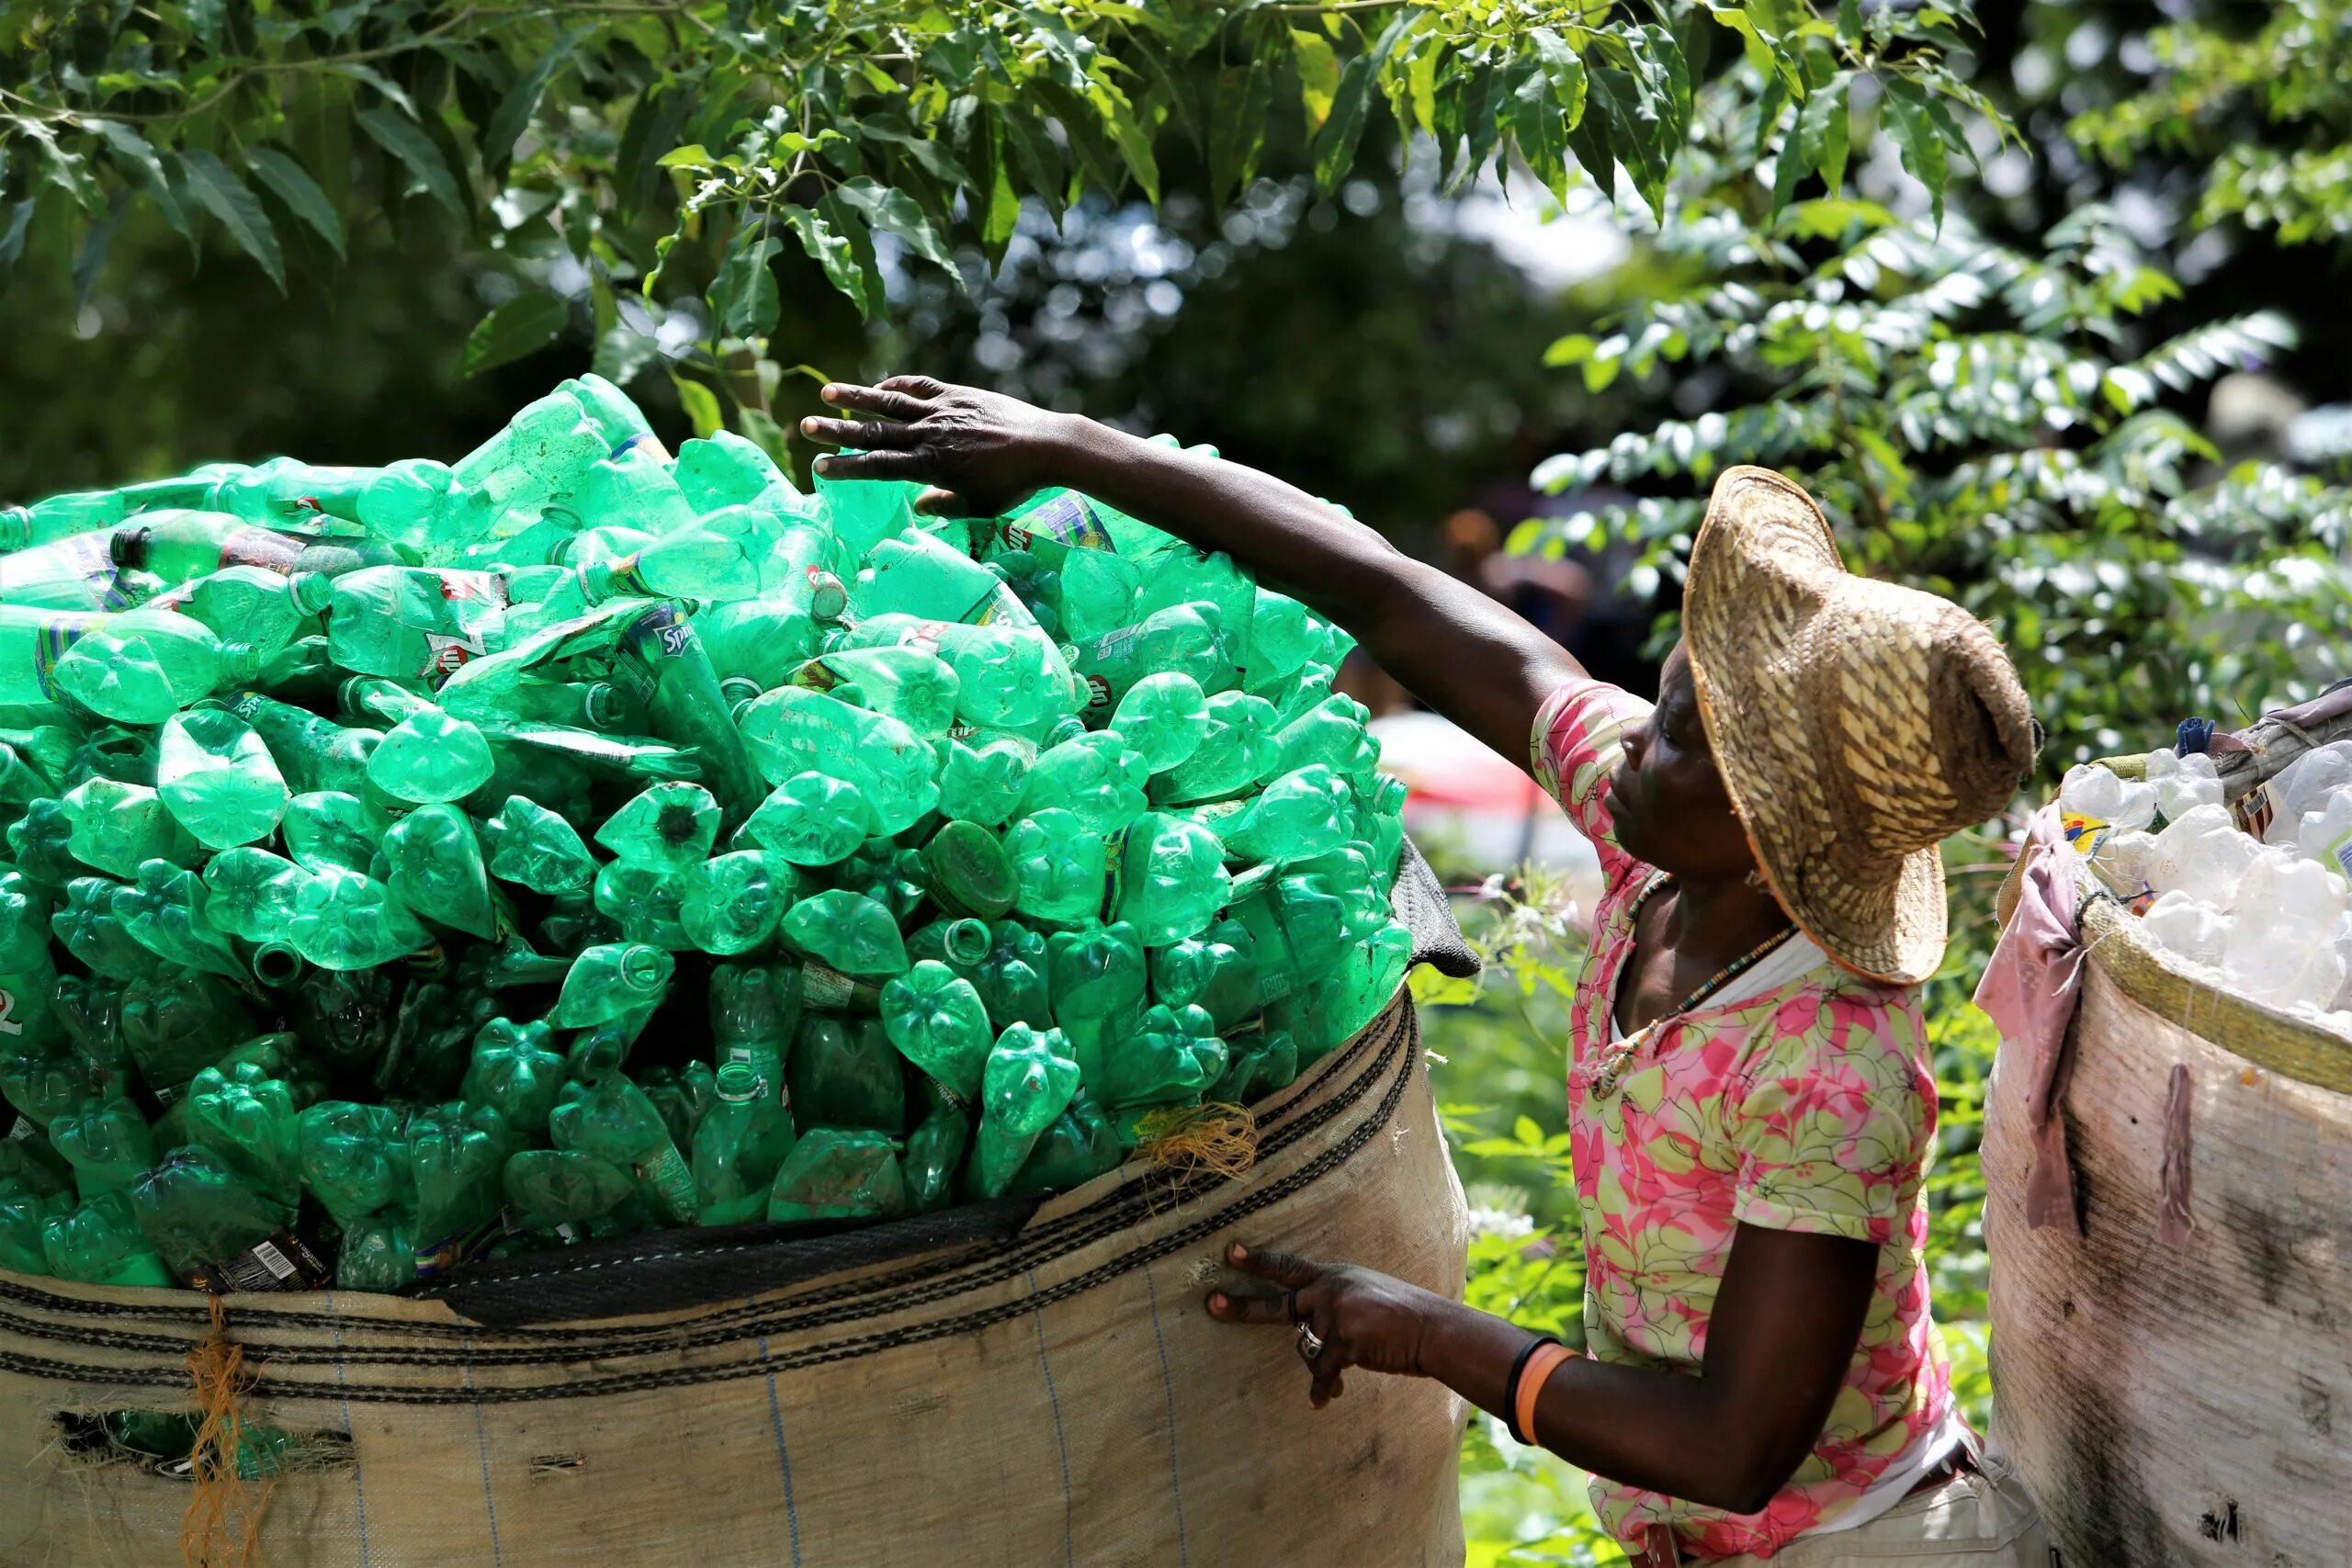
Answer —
(1362, 1317)
(981, 453)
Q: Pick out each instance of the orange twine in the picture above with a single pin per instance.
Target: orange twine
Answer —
(1187, 1138)
(222, 1526)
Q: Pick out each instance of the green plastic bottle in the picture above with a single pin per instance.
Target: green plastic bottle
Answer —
(343, 921)
(28, 1156)
(909, 683)
(935, 1152)
(51, 1080)
(921, 575)
(739, 1145)
(197, 1211)
(983, 776)
(610, 980)
(893, 876)
(92, 932)
(836, 1173)
(1257, 1064)
(1171, 1056)
(863, 512)
(846, 1074)
(764, 641)
(1216, 970)
(251, 1123)
(662, 663)
(734, 902)
(1011, 978)
(1181, 639)
(514, 1070)
(39, 843)
(1097, 977)
(329, 830)
(970, 873)
(456, 1155)
(1172, 879)
(23, 1212)
(356, 1159)
(1331, 733)
(135, 667)
(810, 819)
(937, 1020)
(1082, 1144)
(1163, 719)
(98, 1242)
(431, 757)
(1060, 866)
(175, 1024)
(565, 1192)
(601, 1050)
(1094, 777)
(1009, 675)
(378, 1253)
(409, 622)
(683, 1095)
(613, 1120)
(1299, 816)
(165, 912)
(649, 905)
(117, 824)
(536, 848)
(692, 564)
(313, 753)
(667, 827)
(218, 780)
(958, 942)
(792, 730)
(346, 1018)
(846, 931)
(251, 894)
(437, 869)
(724, 469)
(1237, 750)
(1029, 1079)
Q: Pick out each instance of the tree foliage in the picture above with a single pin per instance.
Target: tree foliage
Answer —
(2268, 107)
(1983, 421)
(704, 139)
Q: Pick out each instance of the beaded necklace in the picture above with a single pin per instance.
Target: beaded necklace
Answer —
(1618, 1056)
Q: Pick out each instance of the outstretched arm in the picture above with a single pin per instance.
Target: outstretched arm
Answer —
(1453, 648)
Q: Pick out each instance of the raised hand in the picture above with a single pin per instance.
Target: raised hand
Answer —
(981, 453)
(1356, 1317)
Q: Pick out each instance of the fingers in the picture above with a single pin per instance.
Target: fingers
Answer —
(888, 400)
(938, 502)
(864, 434)
(872, 465)
(1282, 1268)
(1249, 1309)
(913, 386)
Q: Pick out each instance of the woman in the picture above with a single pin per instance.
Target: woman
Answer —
(1748, 1089)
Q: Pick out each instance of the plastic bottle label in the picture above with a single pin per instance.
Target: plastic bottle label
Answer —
(672, 1182)
(2085, 833)
(444, 655)
(2339, 852)
(8, 1025)
(280, 1261)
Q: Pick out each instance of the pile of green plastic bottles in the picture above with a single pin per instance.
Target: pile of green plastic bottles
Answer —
(433, 862)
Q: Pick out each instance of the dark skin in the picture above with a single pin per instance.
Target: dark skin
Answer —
(1790, 1310)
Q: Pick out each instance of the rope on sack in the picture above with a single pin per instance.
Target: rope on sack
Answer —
(1218, 1137)
(222, 1526)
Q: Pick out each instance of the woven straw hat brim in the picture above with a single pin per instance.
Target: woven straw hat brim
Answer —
(1766, 584)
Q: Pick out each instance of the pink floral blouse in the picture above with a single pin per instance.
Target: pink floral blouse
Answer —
(1809, 1107)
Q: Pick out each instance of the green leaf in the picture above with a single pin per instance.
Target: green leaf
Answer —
(1821, 131)
(701, 405)
(1922, 147)
(292, 185)
(894, 213)
(92, 254)
(1546, 105)
(513, 115)
(1238, 129)
(1128, 135)
(831, 251)
(1573, 349)
(622, 353)
(136, 157)
(12, 237)
(382, 84)
(1335, 144)
(1319, 75)
(239, 212)
(524, 325)
(406, 141)
(929, 155)
(1038, 159)
(694, 155)
(745, 293)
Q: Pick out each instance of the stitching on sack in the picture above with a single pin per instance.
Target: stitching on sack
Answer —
(1070, 1234)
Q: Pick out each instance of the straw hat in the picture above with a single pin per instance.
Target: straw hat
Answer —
(1857, 724)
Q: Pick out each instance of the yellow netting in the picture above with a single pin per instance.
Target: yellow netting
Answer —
(222, 1526)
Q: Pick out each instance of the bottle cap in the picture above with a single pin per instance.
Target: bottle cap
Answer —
(313, 591)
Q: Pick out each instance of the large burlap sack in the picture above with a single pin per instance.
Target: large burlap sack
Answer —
(1026, 1391)
(2184, 1404)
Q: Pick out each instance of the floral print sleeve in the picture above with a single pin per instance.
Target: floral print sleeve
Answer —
(1829, 1119)
(1580, 736)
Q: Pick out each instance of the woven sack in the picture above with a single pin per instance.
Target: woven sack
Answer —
(2177, 1406)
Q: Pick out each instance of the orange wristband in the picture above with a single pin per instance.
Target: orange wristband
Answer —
(1540, 1368)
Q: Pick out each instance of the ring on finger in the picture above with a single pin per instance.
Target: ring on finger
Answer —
(1310, 1344)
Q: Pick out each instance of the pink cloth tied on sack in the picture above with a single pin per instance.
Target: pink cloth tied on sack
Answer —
(2029, 990)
